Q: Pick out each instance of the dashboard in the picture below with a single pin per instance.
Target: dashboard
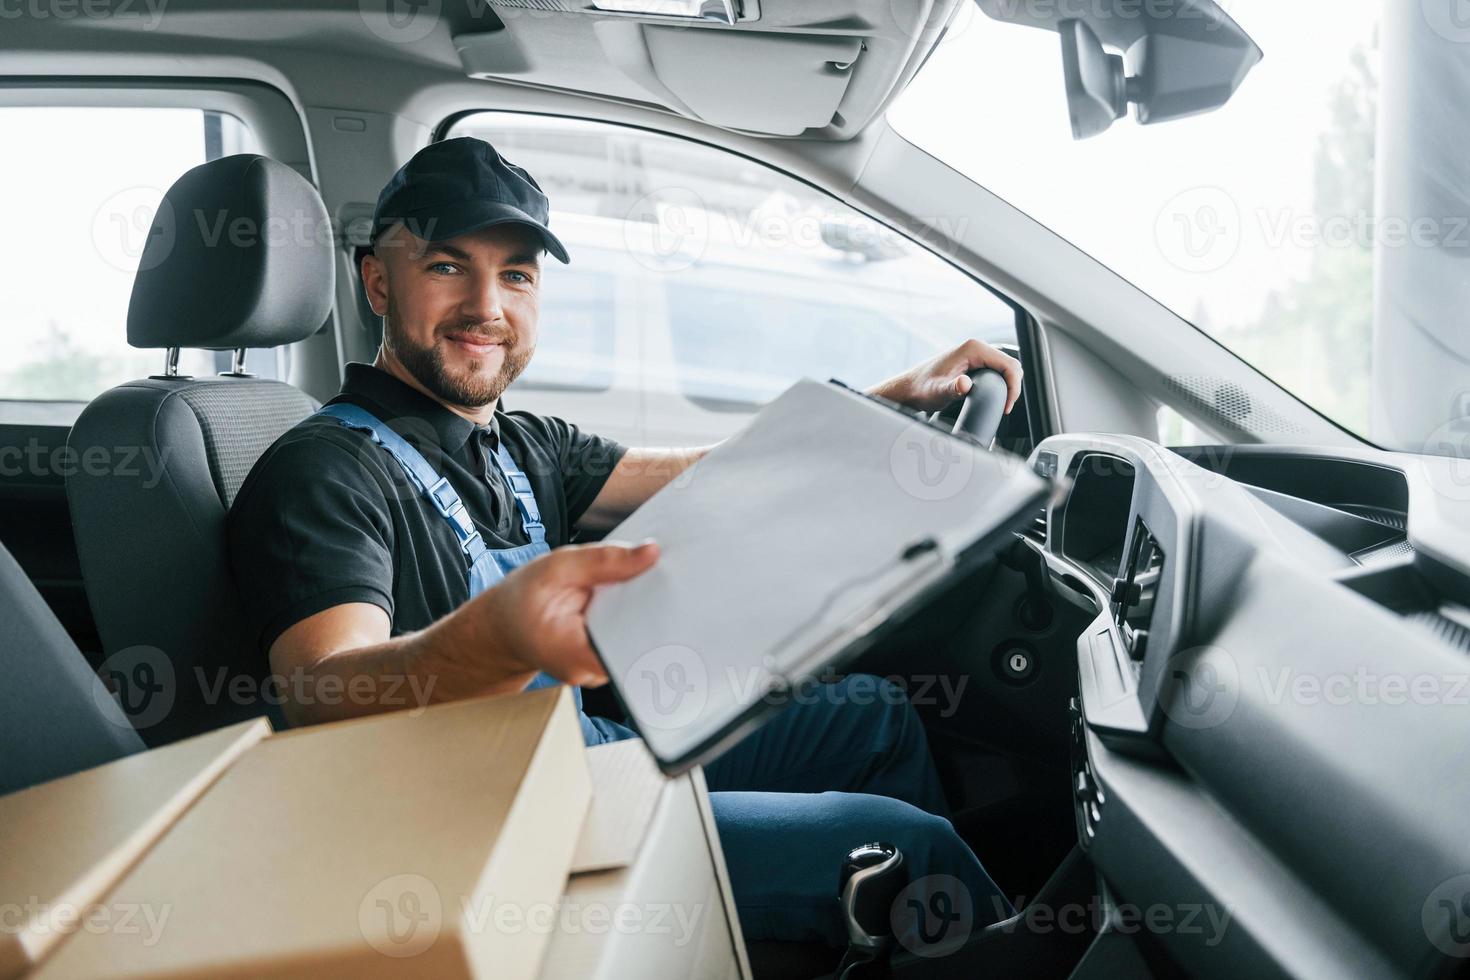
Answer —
(1274, 684)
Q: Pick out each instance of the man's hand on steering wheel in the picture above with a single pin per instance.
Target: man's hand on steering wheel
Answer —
(940, 380)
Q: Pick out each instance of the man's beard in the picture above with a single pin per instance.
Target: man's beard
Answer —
(470, 390)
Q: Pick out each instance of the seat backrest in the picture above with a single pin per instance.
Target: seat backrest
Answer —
(56, 717)
(239, 255)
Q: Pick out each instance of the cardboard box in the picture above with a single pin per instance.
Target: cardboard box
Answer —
(63, 844)
(649, 895)
(364, 849)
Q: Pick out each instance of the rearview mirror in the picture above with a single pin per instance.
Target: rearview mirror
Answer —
(1175, 58)
(1097, 85)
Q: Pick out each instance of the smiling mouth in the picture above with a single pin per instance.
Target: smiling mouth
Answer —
(475, 343)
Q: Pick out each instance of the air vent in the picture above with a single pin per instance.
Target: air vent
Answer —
(1036, 530)
(1448, 631)
(1155, 563)
(1134, 592)
(1395, 519)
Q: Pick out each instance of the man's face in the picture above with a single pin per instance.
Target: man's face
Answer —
(461, 314)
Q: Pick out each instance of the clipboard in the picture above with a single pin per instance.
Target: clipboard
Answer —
(788, 550)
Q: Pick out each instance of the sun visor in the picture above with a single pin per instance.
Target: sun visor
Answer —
(774, 83)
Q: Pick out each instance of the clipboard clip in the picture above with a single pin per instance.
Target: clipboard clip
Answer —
(919, 548)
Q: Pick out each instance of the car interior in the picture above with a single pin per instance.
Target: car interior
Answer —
(1201, 715)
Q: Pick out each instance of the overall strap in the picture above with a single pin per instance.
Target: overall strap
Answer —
(520, 485)
(433, 486)
(485, 571)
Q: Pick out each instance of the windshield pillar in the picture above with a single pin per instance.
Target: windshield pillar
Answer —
(1421, 341)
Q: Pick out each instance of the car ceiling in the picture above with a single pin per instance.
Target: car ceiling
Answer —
(820, 69)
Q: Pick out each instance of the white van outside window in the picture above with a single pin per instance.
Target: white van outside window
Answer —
(702, 284)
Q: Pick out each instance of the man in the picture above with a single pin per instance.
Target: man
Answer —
(405, 533)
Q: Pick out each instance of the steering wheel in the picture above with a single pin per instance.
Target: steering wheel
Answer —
(984, 406)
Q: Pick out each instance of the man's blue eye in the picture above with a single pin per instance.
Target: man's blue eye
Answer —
(519, 276)
(443, 268)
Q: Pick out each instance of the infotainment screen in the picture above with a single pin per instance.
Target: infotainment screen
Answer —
(1094, 525)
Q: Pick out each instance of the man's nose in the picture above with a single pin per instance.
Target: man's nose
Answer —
(484, 303)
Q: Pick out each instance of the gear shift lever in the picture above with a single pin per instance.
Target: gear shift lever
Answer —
(872, 876)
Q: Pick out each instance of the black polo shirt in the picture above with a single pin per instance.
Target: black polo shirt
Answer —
(326, 516)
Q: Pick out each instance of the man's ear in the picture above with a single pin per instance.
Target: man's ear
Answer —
(375, 282)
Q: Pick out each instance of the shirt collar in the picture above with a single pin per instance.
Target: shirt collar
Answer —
(397, 400)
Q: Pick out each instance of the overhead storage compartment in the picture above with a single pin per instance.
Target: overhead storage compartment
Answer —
(815, 68)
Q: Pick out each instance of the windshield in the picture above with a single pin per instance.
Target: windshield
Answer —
(1259, 222)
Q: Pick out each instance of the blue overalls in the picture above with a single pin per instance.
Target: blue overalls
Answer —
(487, 565)
(823, 776)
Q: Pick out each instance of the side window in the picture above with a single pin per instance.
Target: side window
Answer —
(703, 283)
(78, 210)
(733, 351)
(578, 354)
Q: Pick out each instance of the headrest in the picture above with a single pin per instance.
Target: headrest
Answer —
(239, 255)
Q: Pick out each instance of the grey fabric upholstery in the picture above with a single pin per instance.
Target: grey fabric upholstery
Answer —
(55, 716)
(240, 255)
(151, 536)
(236, 256)
(233, 441)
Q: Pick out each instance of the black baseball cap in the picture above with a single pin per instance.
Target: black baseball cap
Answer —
(461, 185)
